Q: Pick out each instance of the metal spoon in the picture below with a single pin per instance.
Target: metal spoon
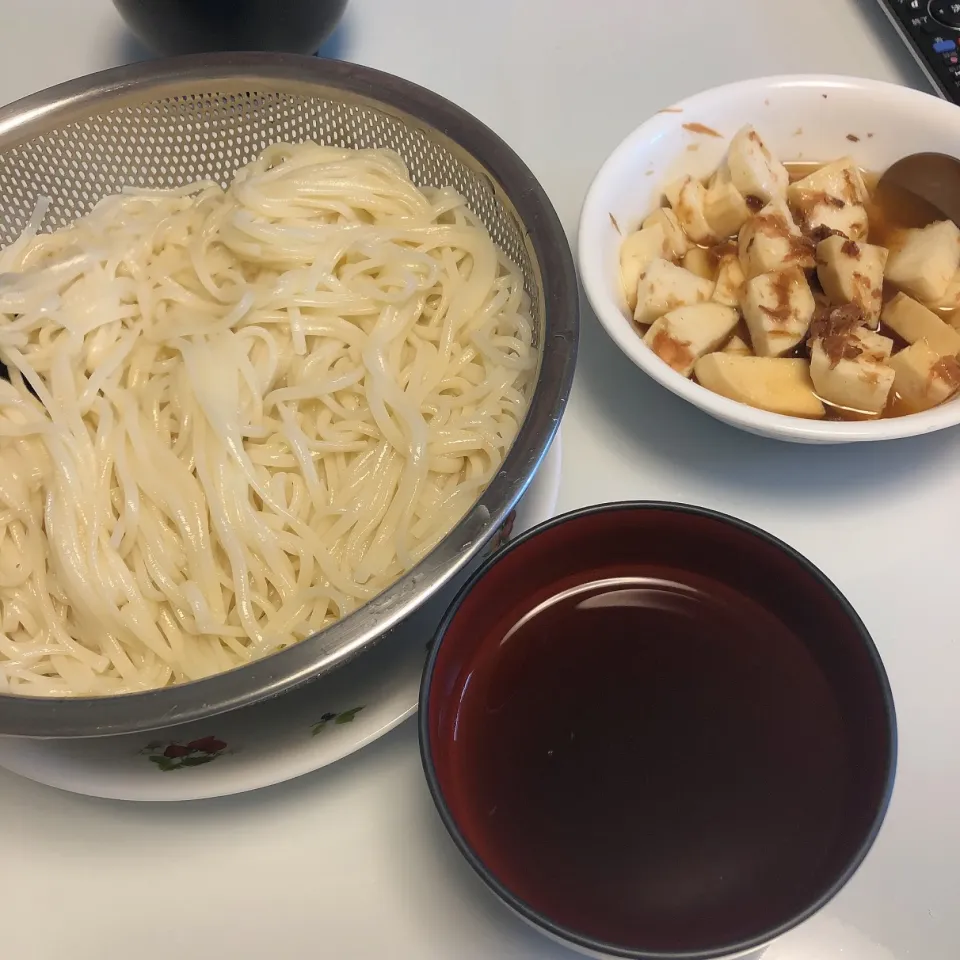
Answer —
(921, 188)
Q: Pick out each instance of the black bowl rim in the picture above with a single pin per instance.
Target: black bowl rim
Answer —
(540, 920)
(322, 19)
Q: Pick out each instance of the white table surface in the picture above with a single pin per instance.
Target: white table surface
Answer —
(351, 862)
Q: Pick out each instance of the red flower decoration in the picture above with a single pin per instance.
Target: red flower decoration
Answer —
(176, 756)
(207, 745)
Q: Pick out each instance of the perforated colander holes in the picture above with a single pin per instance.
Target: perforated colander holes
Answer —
(173, 140)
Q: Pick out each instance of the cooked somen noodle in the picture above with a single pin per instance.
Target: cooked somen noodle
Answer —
(232, 417)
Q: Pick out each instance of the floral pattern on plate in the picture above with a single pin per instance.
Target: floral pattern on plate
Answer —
(178, 756)
(344, 716)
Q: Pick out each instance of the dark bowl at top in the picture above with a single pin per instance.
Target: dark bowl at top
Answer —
(691, 754)
(172, 27)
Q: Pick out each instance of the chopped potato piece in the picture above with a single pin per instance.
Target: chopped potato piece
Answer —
(830, 321)
(730, 282)
(850, 220)
(858, 342)
(913, 321)
(832, 197)
(875, 346)
(852, 272)
(664, 286)
(778, 308)
(677, 242)
(754, 170)
(725, 207)
(925, 261)
(841, 179)
(771, 241)
(699, 261)
(924, 379)
(687, 197)
(852, 377)
(855, 342)
(636, 254)
(948, 306)
(680, 337)
(738, 347)
(672, 191)
(780, 385)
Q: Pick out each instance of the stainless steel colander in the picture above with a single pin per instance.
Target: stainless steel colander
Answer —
(169, 122)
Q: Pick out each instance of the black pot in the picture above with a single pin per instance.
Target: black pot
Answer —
(172, 27)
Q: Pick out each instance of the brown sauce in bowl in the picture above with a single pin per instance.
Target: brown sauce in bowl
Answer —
(888, 212)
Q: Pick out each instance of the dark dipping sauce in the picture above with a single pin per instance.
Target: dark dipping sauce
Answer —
(642, 752)
(702, 776)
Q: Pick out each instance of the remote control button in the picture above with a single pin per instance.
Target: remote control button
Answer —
(944, 46)
(946, 13)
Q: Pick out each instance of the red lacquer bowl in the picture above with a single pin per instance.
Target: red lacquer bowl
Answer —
(657, 732)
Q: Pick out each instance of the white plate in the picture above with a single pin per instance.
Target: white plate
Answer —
(272, 741)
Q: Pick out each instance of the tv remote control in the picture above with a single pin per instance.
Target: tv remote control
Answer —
(931, 29)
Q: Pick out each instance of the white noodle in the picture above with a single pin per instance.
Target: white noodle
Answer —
(233, 417)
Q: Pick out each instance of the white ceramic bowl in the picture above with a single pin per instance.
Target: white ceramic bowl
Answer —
(802, 118)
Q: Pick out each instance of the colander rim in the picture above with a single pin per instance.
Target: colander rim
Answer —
(67, 102)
